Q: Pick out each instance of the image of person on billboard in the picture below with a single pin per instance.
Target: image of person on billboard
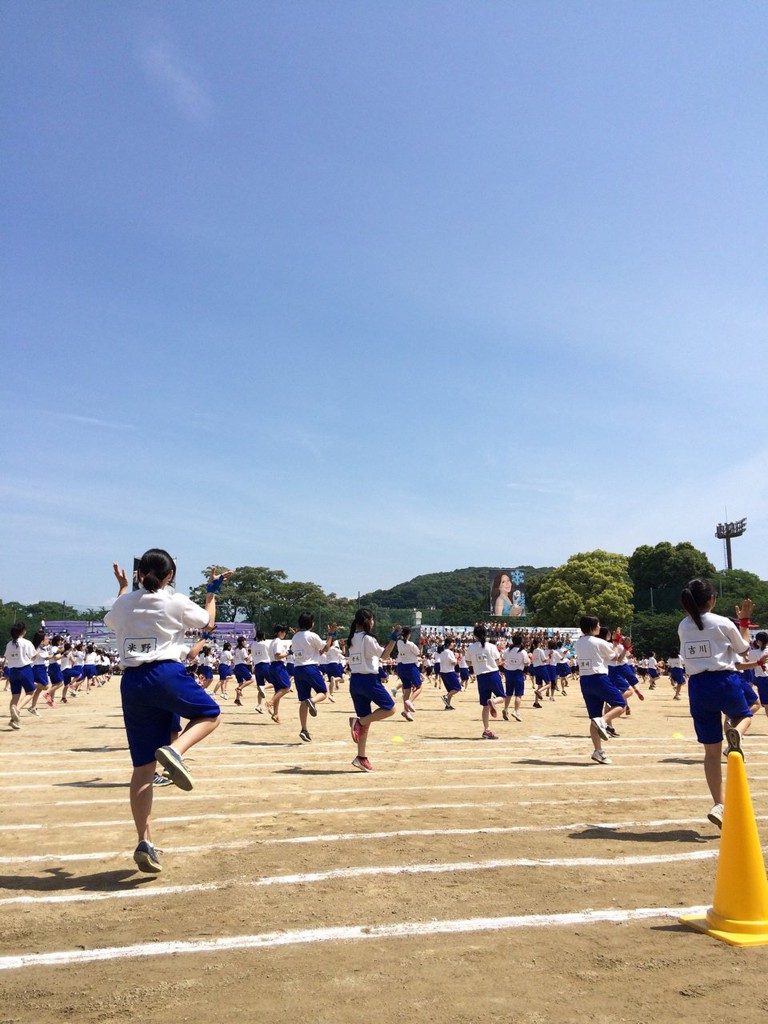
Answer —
(505, 599)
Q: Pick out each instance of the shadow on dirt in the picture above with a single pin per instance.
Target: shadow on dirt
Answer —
(680, 835)
(58, 879)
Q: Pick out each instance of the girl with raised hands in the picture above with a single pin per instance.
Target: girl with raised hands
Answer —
(364, 654)
(710, 645)
(19, 655)
(150, 624)
(486, 662)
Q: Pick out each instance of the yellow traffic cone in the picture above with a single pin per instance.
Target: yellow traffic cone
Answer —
(740, 912)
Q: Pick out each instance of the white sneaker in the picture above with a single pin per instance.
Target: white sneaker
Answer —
(516, 716)
(15, 717)
(716, 815)
(601, 757)
(602, 727)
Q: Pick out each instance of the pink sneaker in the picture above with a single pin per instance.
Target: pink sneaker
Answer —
(363, 764)
(48, 699)
(407, 716)
(354, 725)
(492, 709)
(408, 705)
(488, 735)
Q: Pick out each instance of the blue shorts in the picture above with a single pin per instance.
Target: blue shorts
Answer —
(598, 690)
(451, 681)
(711, 695)
(22, 679)
(40, 675)
(155, 697)
(749, 693)
(261, 671)
(334, 670)
(278, 676)
(366, 690)
(224, 672)
(653, 673)
(409, 676)
(761, 682)
(89, 671)
(629, 675)
(563, 669)
(464, 675)
(677, 675)
(289, 669)
(488, 685)
(540, 675)
(242, 673)
(307, 679)
(69, 676)
(206, 672)
(514, 682)
(54, 673)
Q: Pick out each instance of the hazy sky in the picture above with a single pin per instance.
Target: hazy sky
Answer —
(363, 290)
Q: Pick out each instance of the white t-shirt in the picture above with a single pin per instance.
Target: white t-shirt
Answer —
(515, 658)
(364, 653)
(42, 654)
(713, 648)
(593, 655)
(150, 627)
(278, 646)
(334, 655)
(447, 660)
(407, 652)
(676, 662)
(241, 655)
(306, 647)
(483, 657)
(260, 652)
(19, 653)
(755, 654)
(539, 657)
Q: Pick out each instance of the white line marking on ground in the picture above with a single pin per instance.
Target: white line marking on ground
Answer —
(402, 930)
(234, 815)
(240, 844)
(336, 791)
(337, 874)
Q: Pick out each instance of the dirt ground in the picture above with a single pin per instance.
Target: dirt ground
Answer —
(499, 835)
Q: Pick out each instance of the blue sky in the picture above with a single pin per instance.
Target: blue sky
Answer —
(361, 291)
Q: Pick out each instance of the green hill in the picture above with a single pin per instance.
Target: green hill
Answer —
(458, 596)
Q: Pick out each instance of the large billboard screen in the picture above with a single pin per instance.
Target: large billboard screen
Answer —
(507, 593)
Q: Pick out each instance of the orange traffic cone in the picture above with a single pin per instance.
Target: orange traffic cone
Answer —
(740, 912)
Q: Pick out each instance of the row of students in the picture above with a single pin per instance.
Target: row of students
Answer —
(42, 667)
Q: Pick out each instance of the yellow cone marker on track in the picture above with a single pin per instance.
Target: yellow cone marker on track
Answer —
(739, 915)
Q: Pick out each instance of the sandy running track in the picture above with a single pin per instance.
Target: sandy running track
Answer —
(464, 880)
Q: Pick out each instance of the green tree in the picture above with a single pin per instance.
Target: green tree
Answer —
(590, 583)
(655, 632)
(660, 572)
(733, 585)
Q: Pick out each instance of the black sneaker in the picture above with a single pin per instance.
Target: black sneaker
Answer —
(146, 859)
(311, 706)
(304, 735)
(175, 767)
(611, 731)
(733, 736)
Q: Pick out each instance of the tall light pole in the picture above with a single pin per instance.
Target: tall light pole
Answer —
(727, 530)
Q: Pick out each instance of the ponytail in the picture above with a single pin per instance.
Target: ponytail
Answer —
(153, 569)
(481, 634)
(695, 598)
(362, 622)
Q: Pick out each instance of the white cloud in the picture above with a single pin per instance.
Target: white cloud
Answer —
(164, 65)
